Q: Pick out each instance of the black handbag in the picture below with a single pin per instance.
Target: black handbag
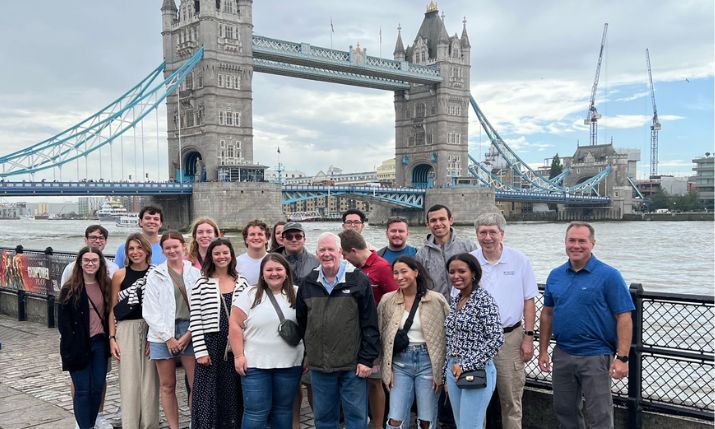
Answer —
(287, 329)
(401, 339)
(123, 310)
(476, 379)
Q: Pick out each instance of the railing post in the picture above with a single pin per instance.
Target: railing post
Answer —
(50, 311)
(21, 310)
(635, 364)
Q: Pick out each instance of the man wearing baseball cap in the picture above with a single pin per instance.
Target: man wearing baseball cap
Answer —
(301, 261)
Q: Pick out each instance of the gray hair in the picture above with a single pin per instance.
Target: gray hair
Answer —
(335, 238)
(489, 219)
(577, 224)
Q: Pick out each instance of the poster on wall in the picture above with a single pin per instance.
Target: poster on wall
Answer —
(22, 271)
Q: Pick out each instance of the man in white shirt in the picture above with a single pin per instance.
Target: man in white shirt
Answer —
(94, 236)
(507, 275)
(256, 236)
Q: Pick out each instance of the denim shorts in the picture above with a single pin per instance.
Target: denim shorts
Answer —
(159, 351)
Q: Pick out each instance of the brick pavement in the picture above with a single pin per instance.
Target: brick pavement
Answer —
(34, 392)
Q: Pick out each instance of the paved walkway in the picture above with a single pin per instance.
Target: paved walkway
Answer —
(34, 392)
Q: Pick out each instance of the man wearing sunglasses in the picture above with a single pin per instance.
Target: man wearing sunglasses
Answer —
(301, 261)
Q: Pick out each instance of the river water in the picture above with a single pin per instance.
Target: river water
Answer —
(663, 256)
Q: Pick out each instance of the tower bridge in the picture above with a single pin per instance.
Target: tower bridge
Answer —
(210, 55)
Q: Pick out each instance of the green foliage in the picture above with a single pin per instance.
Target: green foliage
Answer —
(556, 167)
(682, 203)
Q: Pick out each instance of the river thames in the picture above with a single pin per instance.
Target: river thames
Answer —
(663, 256)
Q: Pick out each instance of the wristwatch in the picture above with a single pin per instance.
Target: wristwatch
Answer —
(623, 358)
(529, 333)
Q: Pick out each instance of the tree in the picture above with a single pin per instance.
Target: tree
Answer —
(659, 200)
(556, 167)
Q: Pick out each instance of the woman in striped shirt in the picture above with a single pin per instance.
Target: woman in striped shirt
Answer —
(217, 398)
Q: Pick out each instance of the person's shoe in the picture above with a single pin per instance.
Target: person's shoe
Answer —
(76, 425)
(102, 423)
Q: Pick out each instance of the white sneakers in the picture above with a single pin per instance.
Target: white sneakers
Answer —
(102, 423)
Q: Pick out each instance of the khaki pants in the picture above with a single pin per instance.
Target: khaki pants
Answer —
(138, 379)
(510, 379)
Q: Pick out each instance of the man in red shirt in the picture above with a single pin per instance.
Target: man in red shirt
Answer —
(379, 271)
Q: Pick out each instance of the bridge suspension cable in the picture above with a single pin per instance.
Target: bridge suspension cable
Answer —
(520, 169)
(86, 137)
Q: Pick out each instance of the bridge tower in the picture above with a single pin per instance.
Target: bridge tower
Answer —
(216, 98)
(431, 125)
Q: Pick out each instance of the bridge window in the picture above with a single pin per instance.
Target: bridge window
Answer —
(221, 118)
(420, 110)
(420, 137)
(229, 118)
(220, 80)
(237, 119)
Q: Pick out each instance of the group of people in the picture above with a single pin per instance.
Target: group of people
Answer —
(442, 326)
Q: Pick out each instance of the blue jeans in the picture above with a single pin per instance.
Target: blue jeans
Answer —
(412, 377)
(352, 392)
(89, 384)
(269, 391)
(470, 405)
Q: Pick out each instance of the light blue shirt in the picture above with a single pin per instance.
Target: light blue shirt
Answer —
(339, 278)
(157, 255)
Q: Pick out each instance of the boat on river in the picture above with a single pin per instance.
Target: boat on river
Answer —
(129, 220)
(111, 210)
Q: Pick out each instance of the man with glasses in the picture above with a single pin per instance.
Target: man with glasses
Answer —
(508, 277)
(397, 232)
(301, 261)
(150, 220)
(95, 236)
(355, 219)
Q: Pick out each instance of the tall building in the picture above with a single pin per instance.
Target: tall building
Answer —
(705, 180)
(215, 110)
(431, 125)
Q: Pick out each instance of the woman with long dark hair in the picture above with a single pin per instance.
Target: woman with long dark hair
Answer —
(82, 322)
(474, 336)
(166, 310)
(217, 399)
(277, 236)
(138, 380)
(203, 231)
(270, 367)
(415, 371)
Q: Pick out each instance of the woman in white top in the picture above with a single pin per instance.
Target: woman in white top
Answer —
(166, 311)
(217, 399)
(269, 366)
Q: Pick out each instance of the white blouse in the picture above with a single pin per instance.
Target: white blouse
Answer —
(262, 345)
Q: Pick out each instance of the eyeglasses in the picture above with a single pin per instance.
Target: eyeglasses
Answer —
(352, 222)
(96, 238)
(90, 261)
(292, 236)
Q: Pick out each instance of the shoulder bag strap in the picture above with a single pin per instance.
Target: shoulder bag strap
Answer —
(413, 310)
(275, 304)
(223, 301)
(95, 308)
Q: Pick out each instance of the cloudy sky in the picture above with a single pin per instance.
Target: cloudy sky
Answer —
(533, 65)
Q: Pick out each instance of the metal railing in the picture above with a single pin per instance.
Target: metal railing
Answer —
(671, 358)
(671, 365)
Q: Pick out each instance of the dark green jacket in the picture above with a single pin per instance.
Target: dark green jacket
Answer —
(339, 330)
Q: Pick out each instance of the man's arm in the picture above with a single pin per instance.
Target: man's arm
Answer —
(544, 338)
(624, 331)
(527, 344)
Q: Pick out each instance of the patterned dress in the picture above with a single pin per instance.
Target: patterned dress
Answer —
(217, 398)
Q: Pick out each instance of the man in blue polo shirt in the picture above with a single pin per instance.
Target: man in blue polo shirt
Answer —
(588, 307)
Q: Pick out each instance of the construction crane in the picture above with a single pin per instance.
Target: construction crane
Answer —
(592, 116)
(655, 127)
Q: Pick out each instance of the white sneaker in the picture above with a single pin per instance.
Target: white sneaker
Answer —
(102, 423)
(76, 425)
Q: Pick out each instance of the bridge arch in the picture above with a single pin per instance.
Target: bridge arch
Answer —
(423, 176)
(194, 167)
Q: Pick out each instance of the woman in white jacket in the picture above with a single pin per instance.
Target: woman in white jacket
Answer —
(166, 310)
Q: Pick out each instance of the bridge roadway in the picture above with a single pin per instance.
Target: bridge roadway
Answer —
(404, 197)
